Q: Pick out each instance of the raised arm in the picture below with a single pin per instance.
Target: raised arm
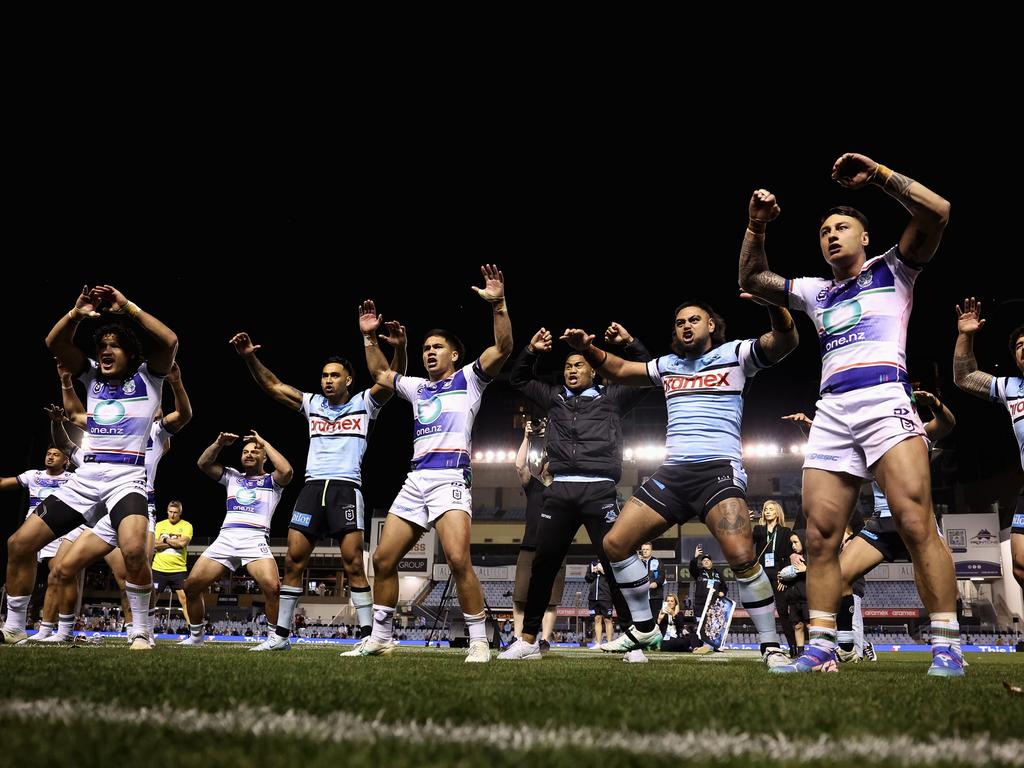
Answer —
(523, 375)
(523, 456)
(60, 339)
(162, 353)
(208, 460)
(493, 292)
(74, 411)
(60, 435)
(612, 367)
(397, 338)
(942, 421)
(632, 348)
(755, 277)
(929, 212)
(369, 323)
(283, 471)
(176, 420)
(283, 393)
(965, 368)
(782, 338)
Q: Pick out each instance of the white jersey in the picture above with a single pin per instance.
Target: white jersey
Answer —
(120, 415)
(156, 447)
(704, 398)
(40, 484)
(443, 416)
(251, 499)
(1009, 390)
(338, 435)
(861, 322)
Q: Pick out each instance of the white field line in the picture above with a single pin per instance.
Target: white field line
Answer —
(342, 728)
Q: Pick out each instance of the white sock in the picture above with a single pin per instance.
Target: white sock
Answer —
(138, 599)
(65, 626)
(17, 610)
(286, 609)
(362, 599)
(45, 630)
(758, 598)
(383, 616)
(477, 626)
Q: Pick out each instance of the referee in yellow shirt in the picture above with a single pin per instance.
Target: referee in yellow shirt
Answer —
(171, 557)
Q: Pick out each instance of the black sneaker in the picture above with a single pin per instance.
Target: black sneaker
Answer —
(869, 651)
(545, 646)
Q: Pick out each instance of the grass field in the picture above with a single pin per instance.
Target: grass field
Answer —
(224, 706)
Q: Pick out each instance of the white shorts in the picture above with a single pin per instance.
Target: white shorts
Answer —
(105, 530)
(236, 547)
(49, 550)
(852, 431)
(96, 488)
(429, 493)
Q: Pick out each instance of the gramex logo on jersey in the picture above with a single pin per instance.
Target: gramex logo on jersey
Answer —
(350, 425)
(707, 381)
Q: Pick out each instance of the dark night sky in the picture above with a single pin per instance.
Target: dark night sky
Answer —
(284, 243)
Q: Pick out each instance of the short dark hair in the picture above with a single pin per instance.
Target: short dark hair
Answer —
(339, 360)
(451, 338)
(718, 336)
(125, 337)
(845, 210)
(64, 453)
(1016, 334)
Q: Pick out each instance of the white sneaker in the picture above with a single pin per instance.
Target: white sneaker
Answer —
(479, 652)
(12, 636)
(636, 656)
(55, 639)
(775, 657)
(355, 649)
(632, 639)
(273, 643)
(191, 640)
(140, 642)
(370, 646)
(847, 657)
(42, 634)
(521, 650)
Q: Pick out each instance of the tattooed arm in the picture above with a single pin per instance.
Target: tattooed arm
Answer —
(755, 277)
(965, 368)
(929, 211)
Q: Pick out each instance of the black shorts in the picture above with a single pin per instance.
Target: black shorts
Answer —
(58, 516)
(796, 601)
(1017, 526)
(679, 492)
(163, 580)
(328, 508)
(881, 534)
(600, 607)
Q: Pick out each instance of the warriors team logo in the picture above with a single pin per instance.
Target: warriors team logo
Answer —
(129, 387)
(842, 317)
(864, 279)
(108, 412)
(246, 496)
(428, 411)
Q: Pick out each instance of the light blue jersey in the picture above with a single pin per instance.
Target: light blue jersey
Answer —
(704, 398)
(1009, 390)
(338, 435)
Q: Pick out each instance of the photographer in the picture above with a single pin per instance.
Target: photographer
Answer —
(584, 449)
(533, 487)
(599, 602)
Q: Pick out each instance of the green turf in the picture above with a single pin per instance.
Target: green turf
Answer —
(673, 692)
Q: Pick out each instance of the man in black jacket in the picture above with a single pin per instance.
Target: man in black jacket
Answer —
(706, 579)
(584, 450)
